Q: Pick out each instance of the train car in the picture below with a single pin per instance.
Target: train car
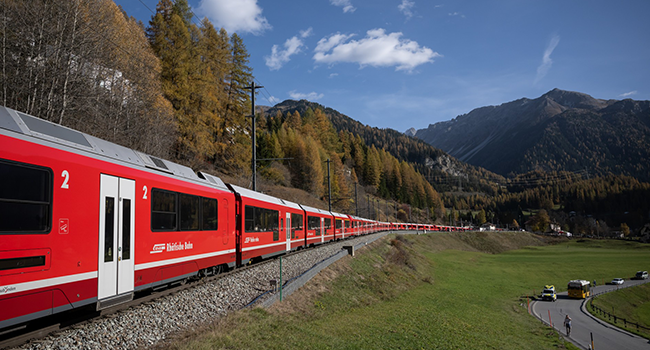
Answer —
(265, 225)
(84, 221)
(319, 226)
(357, 225)
(341, 221)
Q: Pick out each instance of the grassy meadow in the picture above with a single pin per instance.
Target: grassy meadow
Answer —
(632, 303)
(434, 291)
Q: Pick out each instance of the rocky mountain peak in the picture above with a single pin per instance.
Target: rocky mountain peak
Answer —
(572, 99)
(410, 132)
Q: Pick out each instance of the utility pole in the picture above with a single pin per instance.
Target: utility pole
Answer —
(254, 160)
(329, 186)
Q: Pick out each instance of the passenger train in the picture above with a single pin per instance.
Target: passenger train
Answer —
(87, 223)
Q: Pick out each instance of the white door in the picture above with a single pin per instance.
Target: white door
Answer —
(322, 231)
(116, 236)
(288, 231)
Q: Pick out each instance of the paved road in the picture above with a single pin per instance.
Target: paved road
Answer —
(606, 336)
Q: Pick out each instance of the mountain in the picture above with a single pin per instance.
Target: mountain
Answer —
(410, 132)
(560, 130)
(432, 162)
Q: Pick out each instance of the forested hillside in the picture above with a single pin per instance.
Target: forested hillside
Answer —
(174, 91)
(310, 139)
(436, 165)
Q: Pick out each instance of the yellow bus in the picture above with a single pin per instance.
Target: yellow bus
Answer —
(579, 289)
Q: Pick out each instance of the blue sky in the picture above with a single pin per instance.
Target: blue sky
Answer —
(410, 63)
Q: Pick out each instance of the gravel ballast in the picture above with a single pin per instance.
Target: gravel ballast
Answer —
(148, 324)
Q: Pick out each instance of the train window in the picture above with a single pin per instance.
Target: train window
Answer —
(313, 223)
(261, 220)
(163, 210)
(189, 206)
(296, 224)
(328, 223)
(126, 229)
(339, 224)
(209, 214)
(347, 223)
(25, 198)
(21, 263)
(109, 229)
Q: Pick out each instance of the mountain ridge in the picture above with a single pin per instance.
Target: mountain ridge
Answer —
(560, 130)
(431, 162)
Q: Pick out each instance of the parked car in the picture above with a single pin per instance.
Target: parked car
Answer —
(549, 294)
(641, 275)
(618, 281)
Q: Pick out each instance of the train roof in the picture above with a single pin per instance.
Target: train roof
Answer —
(316, 210)
(339, 215)
(264, 197)
(41, 129)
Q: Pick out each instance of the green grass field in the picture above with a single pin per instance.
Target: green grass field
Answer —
(437, 291)
(632, 304)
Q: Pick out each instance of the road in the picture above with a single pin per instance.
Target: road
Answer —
(606, 336)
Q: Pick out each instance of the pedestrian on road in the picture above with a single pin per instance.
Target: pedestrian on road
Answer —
(567, 324)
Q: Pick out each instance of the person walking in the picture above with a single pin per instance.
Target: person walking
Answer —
(567, 324)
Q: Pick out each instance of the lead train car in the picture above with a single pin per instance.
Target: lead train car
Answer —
(84, 221)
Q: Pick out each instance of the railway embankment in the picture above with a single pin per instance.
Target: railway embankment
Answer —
(151, 323)
(354, 300)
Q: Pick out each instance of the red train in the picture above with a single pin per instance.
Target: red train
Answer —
(87, 222)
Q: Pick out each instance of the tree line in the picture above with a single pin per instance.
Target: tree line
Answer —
(576, 202)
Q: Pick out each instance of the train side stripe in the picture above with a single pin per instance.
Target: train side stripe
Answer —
(179, 260)
(50, 282)
(263, 246)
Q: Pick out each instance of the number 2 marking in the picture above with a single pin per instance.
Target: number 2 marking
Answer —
(65, 174)
(144, 188)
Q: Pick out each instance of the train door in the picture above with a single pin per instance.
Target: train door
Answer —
(288, 231)
(116, 237)
(322, 230)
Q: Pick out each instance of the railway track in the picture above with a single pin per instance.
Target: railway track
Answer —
(58, 325)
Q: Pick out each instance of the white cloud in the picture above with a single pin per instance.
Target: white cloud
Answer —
(273, 100)
(628, 94)
(377, 49)
(306, 33)
(406, 8)
(454, 14)
(242, 16)
(346, 4)
(325, 45)
(279, 57)
(547, 62)
(333, 75)
(301, 96)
